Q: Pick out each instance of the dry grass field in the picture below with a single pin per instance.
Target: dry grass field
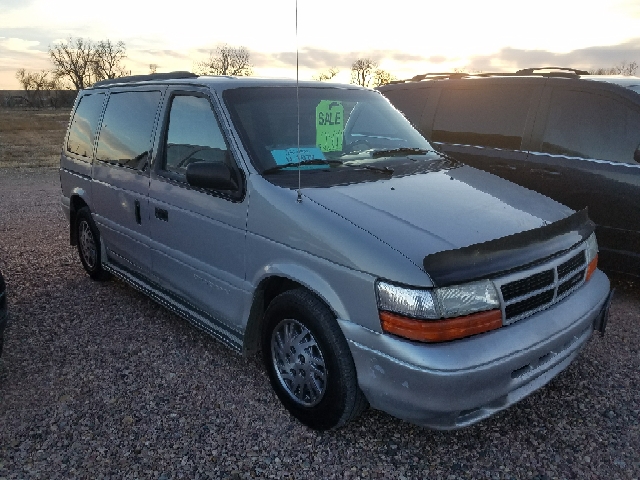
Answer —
(31, 138)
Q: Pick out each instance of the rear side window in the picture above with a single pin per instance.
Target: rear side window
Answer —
(125, 135)
(489, 117)
(588, 125)
(83, 127)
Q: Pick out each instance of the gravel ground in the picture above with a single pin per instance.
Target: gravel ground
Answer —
(97, 381)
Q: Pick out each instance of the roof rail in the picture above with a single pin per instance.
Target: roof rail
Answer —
(142, 78)
(559, 72)
(433, 75)
(530, 71)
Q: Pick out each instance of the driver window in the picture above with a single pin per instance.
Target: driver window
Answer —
(193, 135)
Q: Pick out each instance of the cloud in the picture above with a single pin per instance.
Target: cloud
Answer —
(8, 5)
(318, 58)
(164, 54)
(18, 45)
(585, 58)
(18, 53)
(437, 59)
(629, 8)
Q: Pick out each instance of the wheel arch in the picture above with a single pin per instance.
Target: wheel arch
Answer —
(278, 279)
(76, 202)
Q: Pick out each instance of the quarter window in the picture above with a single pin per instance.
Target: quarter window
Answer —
(125, 136)
(194, 135)
(587, 125)
(83, 127)
(487, 117)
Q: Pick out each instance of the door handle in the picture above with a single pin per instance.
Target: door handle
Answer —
(162, 214)
(137, 212)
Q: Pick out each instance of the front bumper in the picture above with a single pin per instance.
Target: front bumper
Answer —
(454, 384)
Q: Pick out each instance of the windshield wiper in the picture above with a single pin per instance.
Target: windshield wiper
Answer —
(388, 170)
(313, 161)
(398, 151)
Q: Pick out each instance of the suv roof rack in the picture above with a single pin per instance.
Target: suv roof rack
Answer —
(555, 72)
(530, 71)
(142, 78)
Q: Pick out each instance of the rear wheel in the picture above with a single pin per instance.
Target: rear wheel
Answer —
(89, 245)
(309, 363)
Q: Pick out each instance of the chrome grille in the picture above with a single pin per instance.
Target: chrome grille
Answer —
(528, 292)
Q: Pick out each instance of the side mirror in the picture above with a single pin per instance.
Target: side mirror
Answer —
(636, 155)
(215, 175)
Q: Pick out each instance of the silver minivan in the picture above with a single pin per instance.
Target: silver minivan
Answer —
(312, 223)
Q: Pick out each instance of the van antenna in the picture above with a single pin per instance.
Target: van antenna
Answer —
(299, 200)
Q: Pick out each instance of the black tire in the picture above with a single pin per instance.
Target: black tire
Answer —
(89, 245)
(321, 388)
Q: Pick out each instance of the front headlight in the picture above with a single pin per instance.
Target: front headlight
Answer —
(466, 299)
(439, 314)
(411, 302)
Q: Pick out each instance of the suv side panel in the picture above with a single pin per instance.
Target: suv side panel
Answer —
(604, 175)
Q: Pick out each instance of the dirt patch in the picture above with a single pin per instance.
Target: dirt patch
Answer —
(31, 138)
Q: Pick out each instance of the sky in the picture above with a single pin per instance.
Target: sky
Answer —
(405, 37)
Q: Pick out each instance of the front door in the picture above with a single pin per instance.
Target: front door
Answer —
(198, 235)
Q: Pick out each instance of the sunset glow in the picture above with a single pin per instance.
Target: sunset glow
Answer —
(404, 37)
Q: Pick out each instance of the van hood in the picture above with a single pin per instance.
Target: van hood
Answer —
(423, 214)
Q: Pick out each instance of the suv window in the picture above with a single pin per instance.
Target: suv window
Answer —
(587, 125)
(193, 135)
(125, 136)
(484, 116)
(82, 132)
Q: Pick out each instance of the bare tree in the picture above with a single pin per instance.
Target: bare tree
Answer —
(623, 68)
(362, 71)
(84, 62)
(382, 77)
(628, 69)
(107, 60)
(226, 60)
(326, 74)
(153, 68)
(74, 60)
(41, 87)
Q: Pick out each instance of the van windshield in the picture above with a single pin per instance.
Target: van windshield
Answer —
(339, 128)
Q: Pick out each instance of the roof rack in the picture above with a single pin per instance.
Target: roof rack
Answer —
(530, 71)
(142, 78)
(556, 72)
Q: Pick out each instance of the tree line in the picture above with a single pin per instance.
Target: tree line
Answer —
(79, 63)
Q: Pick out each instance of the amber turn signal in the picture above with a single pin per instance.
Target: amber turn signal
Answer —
(440, 330)
(593, 264)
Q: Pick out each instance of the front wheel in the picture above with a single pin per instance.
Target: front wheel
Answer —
(309, 363)
(89, 245)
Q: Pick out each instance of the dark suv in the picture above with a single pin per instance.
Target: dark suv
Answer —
(570, 136)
